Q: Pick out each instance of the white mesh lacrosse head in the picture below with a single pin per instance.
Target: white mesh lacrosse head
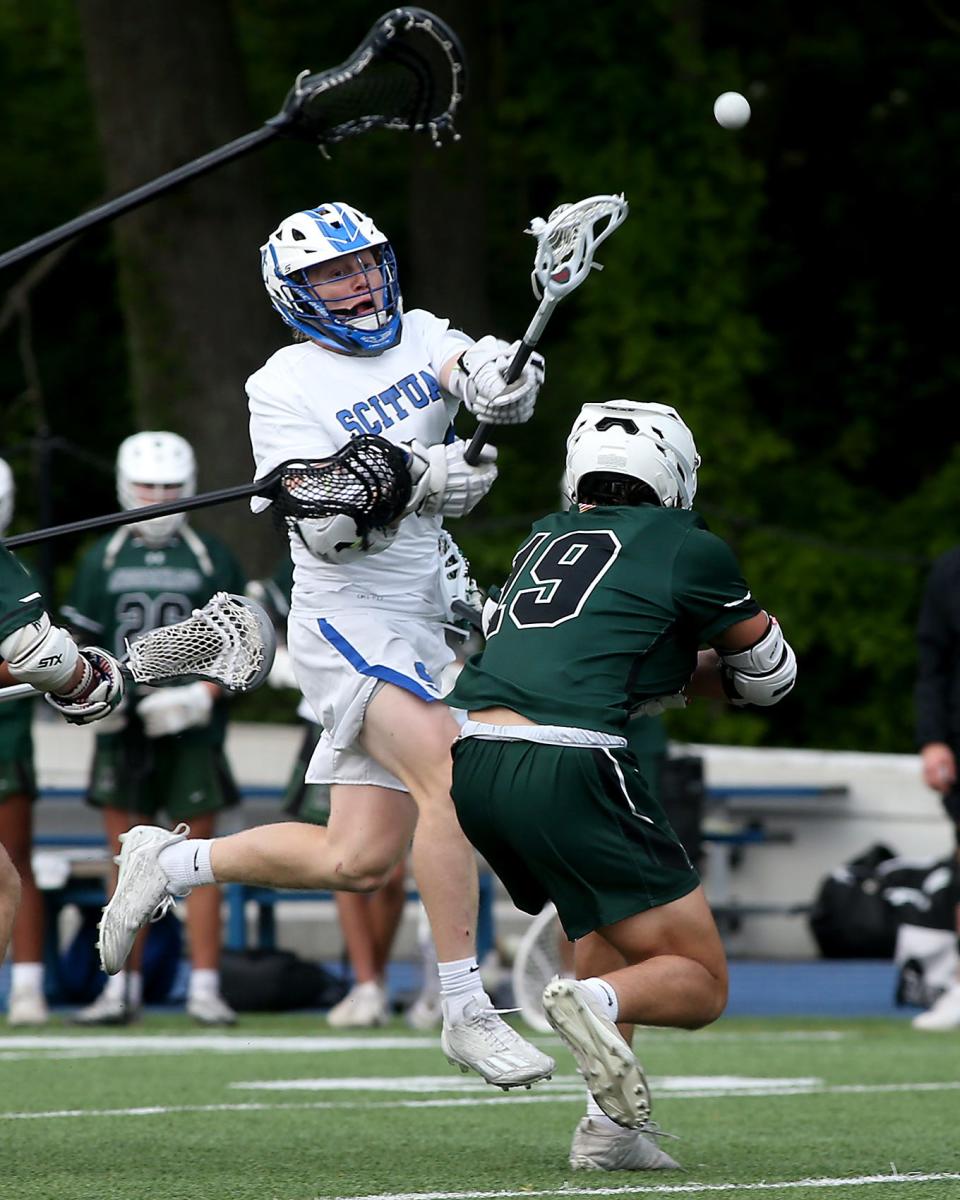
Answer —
(538, 960)
(567, 239)
(230, 641)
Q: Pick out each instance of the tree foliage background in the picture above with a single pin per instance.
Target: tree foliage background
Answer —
(787, 286)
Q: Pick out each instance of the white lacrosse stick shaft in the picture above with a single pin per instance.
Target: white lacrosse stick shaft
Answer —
(230, 641)
(566, 243)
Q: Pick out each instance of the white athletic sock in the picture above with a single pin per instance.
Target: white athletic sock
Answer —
(26, 977)
(603, 993)
(596, 1113)
(186, 865)
(204, 981)
(460, 982)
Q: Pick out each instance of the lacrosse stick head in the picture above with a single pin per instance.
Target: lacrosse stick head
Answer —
(407, 74)
(568, 239)
(230, 641)
(368, 480)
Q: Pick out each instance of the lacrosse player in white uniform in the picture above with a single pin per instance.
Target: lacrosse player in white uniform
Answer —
(366, 627)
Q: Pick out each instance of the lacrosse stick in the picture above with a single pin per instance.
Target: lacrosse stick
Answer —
(368, 479)
(538, 959)
(230, 641)
(566, 242)
(407, 74)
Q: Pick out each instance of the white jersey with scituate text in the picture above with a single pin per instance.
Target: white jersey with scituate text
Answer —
(307, 402)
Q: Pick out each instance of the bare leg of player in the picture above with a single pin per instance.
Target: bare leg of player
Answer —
(9, 899)
(26, 1004)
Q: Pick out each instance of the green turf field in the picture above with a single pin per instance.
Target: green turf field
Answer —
(280, 1109)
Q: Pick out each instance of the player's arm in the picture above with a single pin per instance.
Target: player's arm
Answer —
(750, 662)
(83, 685)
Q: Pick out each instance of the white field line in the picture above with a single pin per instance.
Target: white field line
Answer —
(457, 1102)
(669, 1189)
(664, 1084)
(25, 1045)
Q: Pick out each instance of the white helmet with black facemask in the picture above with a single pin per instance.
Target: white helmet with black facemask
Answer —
(7, 495)
(152, 467)
(620, 442)
(368, 320)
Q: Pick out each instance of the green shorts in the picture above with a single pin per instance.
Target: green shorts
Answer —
(181, 777)
(17, 778)
(571, 824)
(308, 802)
(17, 775)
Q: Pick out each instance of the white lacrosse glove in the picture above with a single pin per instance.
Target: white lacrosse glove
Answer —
(281, 673)
(444, 483)
(173, 710)
(479, 380)
(457, 584)
(98, 693)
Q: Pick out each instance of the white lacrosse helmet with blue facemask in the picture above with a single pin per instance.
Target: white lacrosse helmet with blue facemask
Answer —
(7, 494)
(367, 320)
(634, 441)
(153, 467)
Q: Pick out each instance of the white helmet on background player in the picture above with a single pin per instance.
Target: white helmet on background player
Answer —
(644, 441)
(151, 467)
(318, 235)
(7, 494)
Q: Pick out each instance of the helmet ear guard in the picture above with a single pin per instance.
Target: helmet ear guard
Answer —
(649, 443)
(314, 236)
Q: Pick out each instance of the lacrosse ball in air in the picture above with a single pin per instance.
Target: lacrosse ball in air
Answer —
(731, 110)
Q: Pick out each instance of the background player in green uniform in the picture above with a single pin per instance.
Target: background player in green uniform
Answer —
(82, 685)
(604, 616)
(164, 750)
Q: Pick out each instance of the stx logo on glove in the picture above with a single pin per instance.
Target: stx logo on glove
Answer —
(418, 393)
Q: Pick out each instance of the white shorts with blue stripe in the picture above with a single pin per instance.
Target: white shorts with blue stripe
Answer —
(341, 660)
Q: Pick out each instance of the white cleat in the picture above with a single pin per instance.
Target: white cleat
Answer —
(210, 1009)
(27, 1006)
(141, 894)
(363, 1007)
(482, 1041)
(107, 1010)
(596, 1147)
(612, 1073)
(425, 1013)
(944, 1013)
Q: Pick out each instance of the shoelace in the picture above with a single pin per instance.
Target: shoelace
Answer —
(506, 1036)
(652, 1129)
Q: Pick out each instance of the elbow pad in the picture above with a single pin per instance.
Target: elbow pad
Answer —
(41, 654)
(336, 539)
(762, 675)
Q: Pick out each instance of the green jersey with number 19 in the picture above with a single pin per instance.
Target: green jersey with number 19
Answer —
(604, 609)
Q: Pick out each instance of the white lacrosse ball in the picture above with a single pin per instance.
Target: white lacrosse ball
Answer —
(731, 110)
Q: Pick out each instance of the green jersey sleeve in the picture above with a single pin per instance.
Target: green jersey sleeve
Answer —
(20, 598)
(708, 585)
(83, 608)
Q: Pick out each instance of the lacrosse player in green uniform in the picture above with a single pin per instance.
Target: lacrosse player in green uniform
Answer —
(164, 750)
(83, 686)
(604, 616)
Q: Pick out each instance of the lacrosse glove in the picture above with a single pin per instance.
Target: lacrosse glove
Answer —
(98, 693)
(479, 380)
(173, 710)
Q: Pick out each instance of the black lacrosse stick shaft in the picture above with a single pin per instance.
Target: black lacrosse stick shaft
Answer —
(164, 509)
(148, 191)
